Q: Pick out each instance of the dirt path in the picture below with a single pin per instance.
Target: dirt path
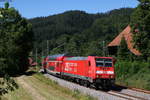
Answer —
(32, 91)
(38, 87)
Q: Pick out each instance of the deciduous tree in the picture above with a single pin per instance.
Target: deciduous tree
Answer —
(140, 22)
(15, 41)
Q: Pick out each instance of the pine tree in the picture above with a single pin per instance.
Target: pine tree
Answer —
(6, 5)
(141, 28)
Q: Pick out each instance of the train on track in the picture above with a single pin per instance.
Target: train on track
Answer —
(87, 71)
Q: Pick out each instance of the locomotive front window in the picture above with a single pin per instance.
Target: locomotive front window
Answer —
(108, 64)
(102, 62)
(99, 63)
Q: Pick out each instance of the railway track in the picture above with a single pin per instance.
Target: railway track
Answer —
(123, 96)
(129, 93)
(126, 96)
(118, 93)
(134, 89)
(140, 93)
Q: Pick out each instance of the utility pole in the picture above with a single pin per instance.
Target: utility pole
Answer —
(107, 52)
(36, 55)
(47, 47)
(42, 55)
(103, 48)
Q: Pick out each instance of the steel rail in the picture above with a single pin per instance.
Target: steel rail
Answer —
(134, 89)
(129, 95)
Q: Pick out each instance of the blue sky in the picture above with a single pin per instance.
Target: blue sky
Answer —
(37, 8)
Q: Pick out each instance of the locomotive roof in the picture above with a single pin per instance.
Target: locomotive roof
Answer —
(56, 56)
(71, 58)
(76, 58)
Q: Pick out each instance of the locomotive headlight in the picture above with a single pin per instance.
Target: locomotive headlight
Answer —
(110, 72)
(111, 76)
(99, 72)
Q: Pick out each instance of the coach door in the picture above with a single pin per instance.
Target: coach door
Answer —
(59, 66)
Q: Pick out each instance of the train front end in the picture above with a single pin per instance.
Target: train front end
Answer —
(104, 71)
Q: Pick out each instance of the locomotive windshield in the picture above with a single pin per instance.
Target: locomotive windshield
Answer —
(103, 62)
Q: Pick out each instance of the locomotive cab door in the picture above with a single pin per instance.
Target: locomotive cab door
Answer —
(89, 71)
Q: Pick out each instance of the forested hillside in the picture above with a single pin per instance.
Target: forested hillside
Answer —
(77, 32)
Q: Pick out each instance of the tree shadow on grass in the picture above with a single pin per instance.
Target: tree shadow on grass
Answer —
(30, 73)
(7, 84)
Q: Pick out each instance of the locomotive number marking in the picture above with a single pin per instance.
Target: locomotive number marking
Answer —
(71, 67)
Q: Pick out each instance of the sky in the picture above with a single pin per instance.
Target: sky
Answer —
(38, 8)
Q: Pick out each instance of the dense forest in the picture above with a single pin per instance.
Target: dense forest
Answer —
(77, 32)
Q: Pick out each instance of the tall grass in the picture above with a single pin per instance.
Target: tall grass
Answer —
(136, 74)
(75, 94)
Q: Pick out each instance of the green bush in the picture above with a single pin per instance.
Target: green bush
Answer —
(134, 73)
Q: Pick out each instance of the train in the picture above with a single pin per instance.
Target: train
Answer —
(87, 71)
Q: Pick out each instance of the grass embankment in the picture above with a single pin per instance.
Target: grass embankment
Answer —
(38, 87)
(134, 74)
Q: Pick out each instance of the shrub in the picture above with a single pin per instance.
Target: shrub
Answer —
(134, 73)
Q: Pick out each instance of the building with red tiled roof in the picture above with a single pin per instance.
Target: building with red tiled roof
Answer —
(126, 33)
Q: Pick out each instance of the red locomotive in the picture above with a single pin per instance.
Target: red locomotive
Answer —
(98, 71)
